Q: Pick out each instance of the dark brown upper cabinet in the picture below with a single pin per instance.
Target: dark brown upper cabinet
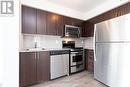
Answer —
(41, 22)
(51, 26)
(72, 21)
(116, 12)
(68, 20)
(33, 21)
(59, 25)
(77, 22)
(34, 67)
(106, 16)
(124, 9)
(87, 29)
(54, 24)
(29, 20)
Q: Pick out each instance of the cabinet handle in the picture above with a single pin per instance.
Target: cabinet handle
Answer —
(35, 56)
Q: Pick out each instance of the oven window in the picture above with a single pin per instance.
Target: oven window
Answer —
(77, 58)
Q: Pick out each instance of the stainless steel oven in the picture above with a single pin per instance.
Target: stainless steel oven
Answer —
(76, 58)
(76, 61)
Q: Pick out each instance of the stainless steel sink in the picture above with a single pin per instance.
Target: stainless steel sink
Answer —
(35, 49)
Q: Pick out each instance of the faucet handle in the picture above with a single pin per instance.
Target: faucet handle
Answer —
(35, 45)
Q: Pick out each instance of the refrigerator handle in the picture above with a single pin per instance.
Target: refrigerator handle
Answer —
(95, 52)
(94, 40)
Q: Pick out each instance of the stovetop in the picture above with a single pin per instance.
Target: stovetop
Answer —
(75, 49)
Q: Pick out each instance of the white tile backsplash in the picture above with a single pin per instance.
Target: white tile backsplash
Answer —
(52, 42)
(79, 42)
(28, 41)
(43, 41)
(89, 43)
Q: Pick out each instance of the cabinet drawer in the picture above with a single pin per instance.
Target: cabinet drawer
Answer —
(90, 60)
(90, 66)
(90, 53)
(91, 57)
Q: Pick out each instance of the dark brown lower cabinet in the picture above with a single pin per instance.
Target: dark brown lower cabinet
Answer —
(43, 66)
(27, 69)
(90, 60)
(34, 67)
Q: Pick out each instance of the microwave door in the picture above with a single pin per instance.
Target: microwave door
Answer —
(72, 32)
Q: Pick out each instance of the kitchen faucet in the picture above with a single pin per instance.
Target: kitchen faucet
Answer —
(35, 45)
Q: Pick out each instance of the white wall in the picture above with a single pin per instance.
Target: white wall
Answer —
(1, 57)
(9, 41)
(89, 43)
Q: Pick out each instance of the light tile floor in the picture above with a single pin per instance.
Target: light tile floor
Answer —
(83, 79)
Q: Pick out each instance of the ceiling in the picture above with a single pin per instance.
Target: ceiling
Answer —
(79, 5)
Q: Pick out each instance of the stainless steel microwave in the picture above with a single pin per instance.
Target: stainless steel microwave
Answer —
(71, 31)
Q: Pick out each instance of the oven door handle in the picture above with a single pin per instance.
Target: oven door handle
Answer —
(74, 52)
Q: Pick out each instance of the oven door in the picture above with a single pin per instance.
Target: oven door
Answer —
(76, 58)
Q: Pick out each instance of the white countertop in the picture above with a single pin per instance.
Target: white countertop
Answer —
(40, 49)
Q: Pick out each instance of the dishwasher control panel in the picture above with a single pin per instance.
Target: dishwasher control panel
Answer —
(59, 52)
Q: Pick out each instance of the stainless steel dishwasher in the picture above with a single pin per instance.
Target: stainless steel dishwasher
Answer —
(59, 63)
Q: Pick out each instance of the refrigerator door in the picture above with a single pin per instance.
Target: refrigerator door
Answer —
(114, 30)
(105, 64)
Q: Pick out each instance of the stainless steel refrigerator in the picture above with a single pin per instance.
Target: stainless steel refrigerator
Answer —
(112, 51)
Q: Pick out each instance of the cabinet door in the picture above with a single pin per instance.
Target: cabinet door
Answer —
(124, 9)
(83, 30)
(43, 66)
(28, 20)
(72, 21)
(51, 29)
(90, 60)
(27, 68)
(59, 25)
(88, 30)
(77, 22)
(68, 21)
(41, 22)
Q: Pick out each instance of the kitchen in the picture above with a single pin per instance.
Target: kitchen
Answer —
(56, 47)
(52, 43)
